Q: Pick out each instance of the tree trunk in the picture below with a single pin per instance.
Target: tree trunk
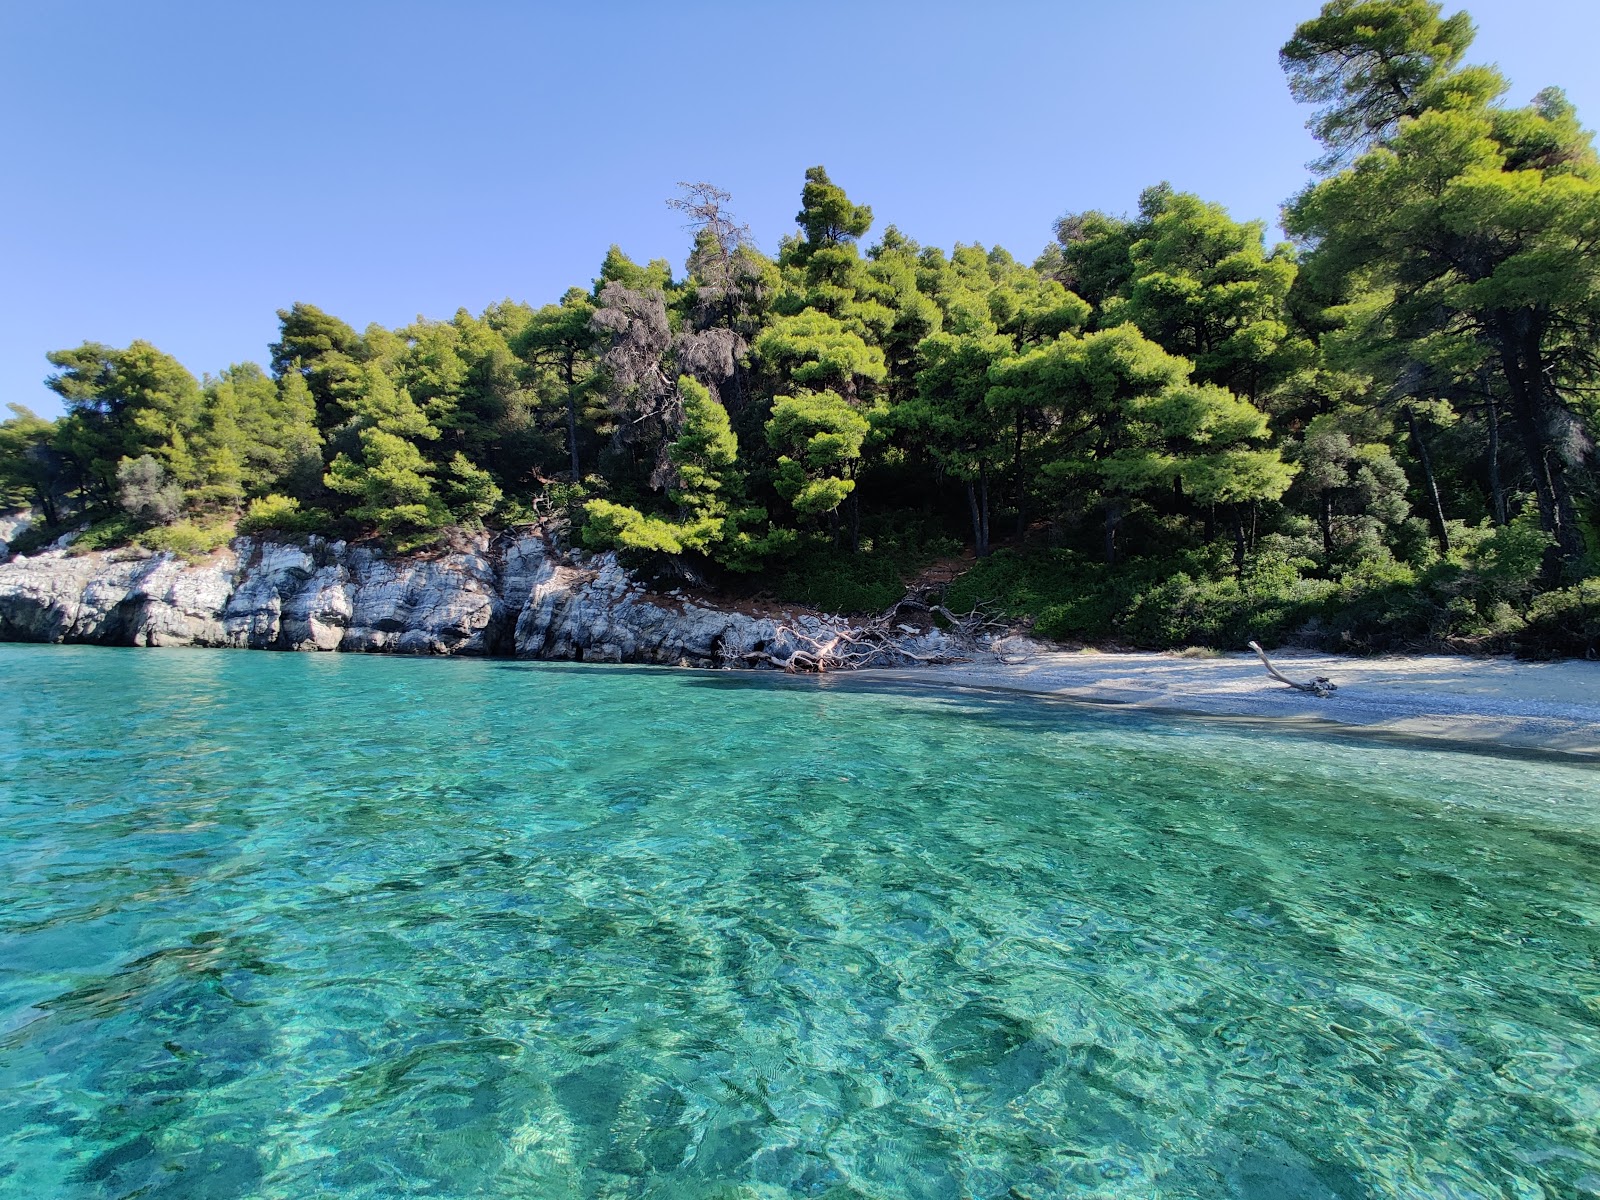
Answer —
(980, 539)
(1523, 362)
(855, 523)
(1497, 489)
(572, 421)
(1430, 484)
(1022, 488)
(572, 433)
(1114, 514)
(1325, 519)
(1240, 546)
(983, 506)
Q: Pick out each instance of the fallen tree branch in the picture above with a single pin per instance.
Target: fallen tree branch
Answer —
(1320, 686)
(880, 641)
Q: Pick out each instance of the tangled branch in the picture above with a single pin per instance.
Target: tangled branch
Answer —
(885, 640)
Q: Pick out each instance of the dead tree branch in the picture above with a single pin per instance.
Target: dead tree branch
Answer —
(1319, 687)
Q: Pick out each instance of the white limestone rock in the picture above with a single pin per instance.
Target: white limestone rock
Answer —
(507, 595)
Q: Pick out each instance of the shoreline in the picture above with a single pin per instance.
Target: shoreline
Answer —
(1553, 707)
(1495, 704)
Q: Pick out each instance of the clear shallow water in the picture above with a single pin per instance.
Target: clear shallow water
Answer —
(292, 926)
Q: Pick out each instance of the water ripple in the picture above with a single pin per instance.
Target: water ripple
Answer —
(285, 926)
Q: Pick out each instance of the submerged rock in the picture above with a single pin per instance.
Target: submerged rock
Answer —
(502, 595)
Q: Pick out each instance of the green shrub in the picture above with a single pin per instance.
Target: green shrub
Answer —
(1068, 594)
(609, 526)
(1563, 623)
(838, 581)
(282, 514)
(186, 538)
(1505, 564)
(113, 531)
(895, 548)
(1270, 603)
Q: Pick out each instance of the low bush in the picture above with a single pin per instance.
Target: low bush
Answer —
(282, 514)
(893, 551)
(841, 582)
(186, 538)
(1482, 598)
(106, 534)
(1561, 624)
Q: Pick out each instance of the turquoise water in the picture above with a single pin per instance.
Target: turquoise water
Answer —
(301, 926)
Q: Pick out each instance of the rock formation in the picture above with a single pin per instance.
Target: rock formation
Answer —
(486, 595)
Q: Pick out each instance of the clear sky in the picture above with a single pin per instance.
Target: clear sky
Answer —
(177, 171)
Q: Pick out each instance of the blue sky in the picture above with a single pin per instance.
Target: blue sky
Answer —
(178, 171)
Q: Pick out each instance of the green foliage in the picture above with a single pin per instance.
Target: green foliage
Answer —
(34, 538)
(619, 268)
(281, 514)
(1127, 421)
(1203, 286)
(256, 435)
(1457, 248)
(1563, 623)
(106, 534)
(1483, 598)
(611, 526)
(821, 437)
(704, 453)
(1505, 562)
(125, 404)
(837, 581)
(950, 412)
(392, 486)
(818, 351)
(324, 351)
(1370, 63)
(1381, 442)
(706, 487)
(470, 491)
(558, 346)
(893, 550)
(146, 491)
(826, 216)
(187, 539)
(31, 470)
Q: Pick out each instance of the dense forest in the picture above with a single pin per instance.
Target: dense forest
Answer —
(1162, 432)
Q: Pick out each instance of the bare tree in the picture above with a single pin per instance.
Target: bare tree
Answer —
(641, 390)
(718, 259)
(731, 287)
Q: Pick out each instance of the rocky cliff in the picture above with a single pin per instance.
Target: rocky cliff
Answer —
(501, 595)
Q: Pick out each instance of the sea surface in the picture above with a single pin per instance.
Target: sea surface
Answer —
(277, 925)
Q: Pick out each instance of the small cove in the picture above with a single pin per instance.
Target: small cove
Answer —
(286, 925)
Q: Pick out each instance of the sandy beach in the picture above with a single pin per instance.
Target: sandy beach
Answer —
(1539, 706)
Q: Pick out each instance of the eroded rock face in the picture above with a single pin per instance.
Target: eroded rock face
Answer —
(127, 601)
(494, 596)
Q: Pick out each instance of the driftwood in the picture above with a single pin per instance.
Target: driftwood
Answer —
(879, 641)
(1319, 687)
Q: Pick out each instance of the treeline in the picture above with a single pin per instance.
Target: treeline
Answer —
(1172, 431)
